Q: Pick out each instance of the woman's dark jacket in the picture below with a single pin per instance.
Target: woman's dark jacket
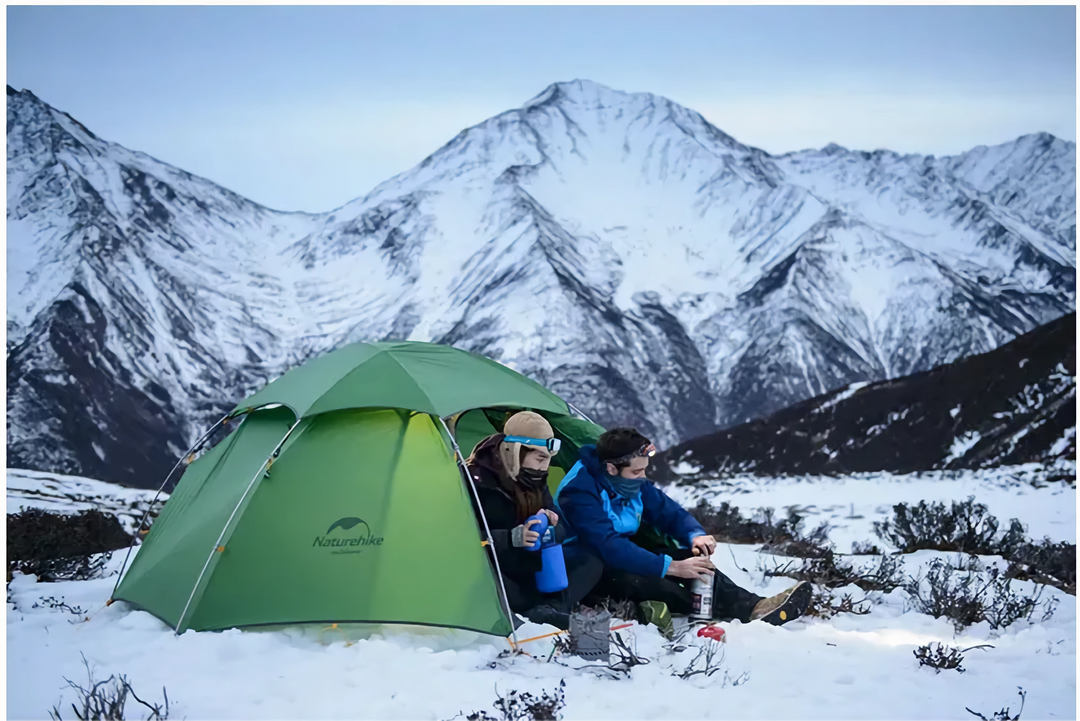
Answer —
(501, 511)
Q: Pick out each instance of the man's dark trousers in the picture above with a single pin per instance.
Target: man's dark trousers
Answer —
(730, 601)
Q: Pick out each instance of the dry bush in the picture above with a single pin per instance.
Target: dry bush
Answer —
(59, 547)
(525, 707)
(106, 700)
(965, 598)
(939, 657)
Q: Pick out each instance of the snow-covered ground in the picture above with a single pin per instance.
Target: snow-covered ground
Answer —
(850, 504)
(846, 667)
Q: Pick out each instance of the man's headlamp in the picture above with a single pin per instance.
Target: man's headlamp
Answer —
(646, 451)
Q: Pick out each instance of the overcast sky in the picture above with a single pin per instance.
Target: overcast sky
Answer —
(306, 108)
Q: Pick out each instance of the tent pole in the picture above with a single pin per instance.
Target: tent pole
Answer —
(157, 495)
(575, 410)
(221, 537)
(487, 531)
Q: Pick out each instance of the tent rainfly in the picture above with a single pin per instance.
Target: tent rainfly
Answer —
(338, 496)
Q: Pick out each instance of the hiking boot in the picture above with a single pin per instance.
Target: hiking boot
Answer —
(548, 615)
(657, 613)
(783, 607)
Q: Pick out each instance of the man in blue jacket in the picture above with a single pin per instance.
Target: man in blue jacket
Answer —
(603, 500)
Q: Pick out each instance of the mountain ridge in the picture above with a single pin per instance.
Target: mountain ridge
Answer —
(1013, 405)
(698, 283)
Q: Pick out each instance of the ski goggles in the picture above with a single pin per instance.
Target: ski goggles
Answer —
(646, 451)
(551, 444)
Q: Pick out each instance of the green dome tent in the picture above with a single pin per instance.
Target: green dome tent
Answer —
(340, 498)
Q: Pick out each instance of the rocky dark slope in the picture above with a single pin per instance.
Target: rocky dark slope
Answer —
(1015, 404)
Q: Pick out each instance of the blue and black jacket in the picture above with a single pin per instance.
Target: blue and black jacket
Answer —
(600, 518)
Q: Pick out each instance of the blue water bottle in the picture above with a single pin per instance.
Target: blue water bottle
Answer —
(540, 527)
(551, 577)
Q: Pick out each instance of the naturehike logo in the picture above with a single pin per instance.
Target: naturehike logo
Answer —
(351, 544)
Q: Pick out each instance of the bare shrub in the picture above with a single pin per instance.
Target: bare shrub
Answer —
(823, 604)
(966, 527)
(58, 547)
(728, 525)
(939, 657)
(963, 597)
(780, 537)
(107, 700)
(707, 661)
(1003, 714)
(517, 706)
(832, 573)
(1045, 562)
(59, 604)
(865, 548)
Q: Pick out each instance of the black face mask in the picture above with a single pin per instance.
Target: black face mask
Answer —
(532, 478)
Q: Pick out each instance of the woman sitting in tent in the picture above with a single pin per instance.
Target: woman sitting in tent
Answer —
(510, 471)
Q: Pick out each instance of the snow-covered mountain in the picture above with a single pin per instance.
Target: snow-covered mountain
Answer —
(1011, 406)
(615, 247)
